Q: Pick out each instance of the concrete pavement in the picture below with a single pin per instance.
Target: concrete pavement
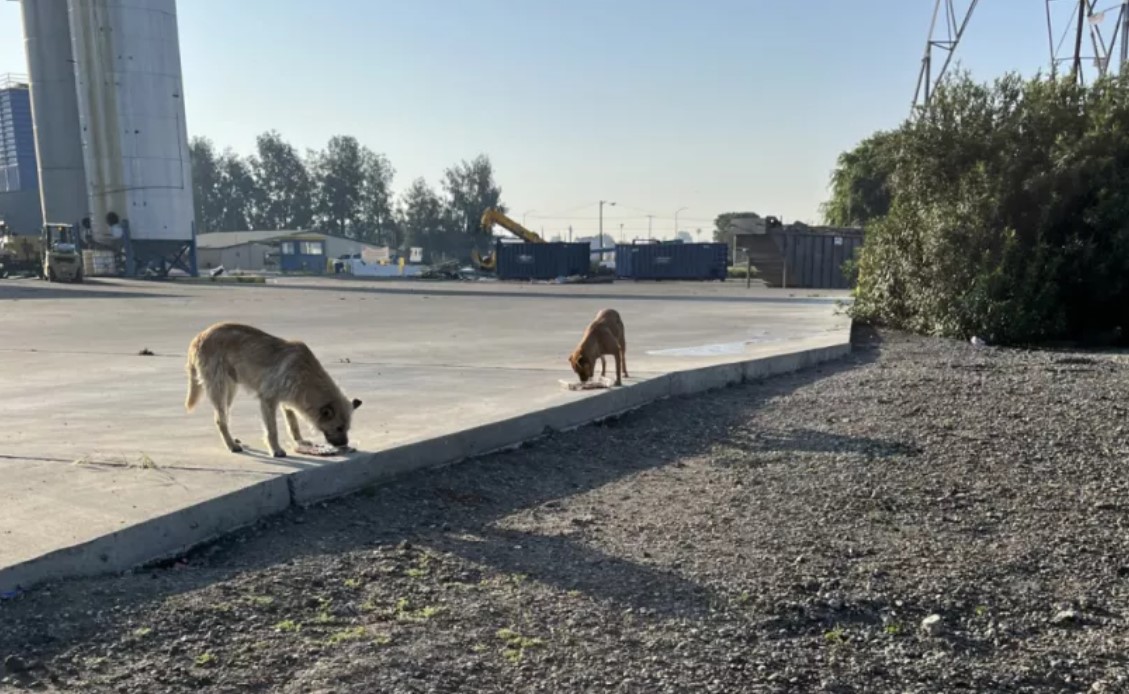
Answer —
(102, 469)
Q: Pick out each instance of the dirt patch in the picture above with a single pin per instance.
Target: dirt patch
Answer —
(926, 516)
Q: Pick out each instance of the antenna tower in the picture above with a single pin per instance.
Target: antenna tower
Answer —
(945, 31)
(1084, 36)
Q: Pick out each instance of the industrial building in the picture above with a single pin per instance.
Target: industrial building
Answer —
(107, 102)
(19, 176)
(279, 251)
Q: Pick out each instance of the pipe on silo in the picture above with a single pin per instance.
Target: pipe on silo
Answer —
(54, 108)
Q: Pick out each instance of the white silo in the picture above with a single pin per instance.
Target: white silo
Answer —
(135, 143)
(54, 108)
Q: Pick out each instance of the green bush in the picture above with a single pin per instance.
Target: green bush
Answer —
(1009, 215)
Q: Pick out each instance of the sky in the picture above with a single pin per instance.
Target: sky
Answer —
(710, 105)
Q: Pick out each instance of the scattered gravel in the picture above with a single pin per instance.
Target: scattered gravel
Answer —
(925, 516)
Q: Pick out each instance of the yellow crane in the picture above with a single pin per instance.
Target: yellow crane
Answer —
(494, 217)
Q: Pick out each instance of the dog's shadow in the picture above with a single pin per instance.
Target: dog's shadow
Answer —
(297, 461)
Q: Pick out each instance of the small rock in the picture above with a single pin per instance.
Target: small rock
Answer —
(1063, 617)
(932, 625)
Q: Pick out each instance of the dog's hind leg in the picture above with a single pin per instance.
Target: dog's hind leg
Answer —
(623, 356)
(603, 366)
(270, 422)
(292, 424)
(618, 369)
(221, 394)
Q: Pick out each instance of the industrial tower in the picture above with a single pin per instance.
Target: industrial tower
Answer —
(1086, 39)
(107, 102)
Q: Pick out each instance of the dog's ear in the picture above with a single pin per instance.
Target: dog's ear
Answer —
(327, 412)
(356, 403)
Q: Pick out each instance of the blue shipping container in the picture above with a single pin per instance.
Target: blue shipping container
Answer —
(672, 261)
(541, 261)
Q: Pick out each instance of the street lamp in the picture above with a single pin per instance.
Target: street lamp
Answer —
(602, 203)
(621, 232)
(680, 209)
(524, 215)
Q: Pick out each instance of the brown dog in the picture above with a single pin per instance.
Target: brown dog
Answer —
(604, 336)
(279, 372)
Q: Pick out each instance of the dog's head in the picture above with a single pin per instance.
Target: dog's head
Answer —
(582, 365)
(334, 419)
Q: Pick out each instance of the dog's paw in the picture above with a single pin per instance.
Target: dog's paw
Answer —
(280, 454)
(236, 448)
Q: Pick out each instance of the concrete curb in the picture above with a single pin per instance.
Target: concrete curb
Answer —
(157, 538)
(175, 533)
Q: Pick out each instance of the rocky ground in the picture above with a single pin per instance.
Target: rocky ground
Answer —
(925, 516)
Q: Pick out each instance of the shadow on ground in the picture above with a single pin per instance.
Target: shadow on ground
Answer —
(457, 509)
(89, 289)
(426, 289)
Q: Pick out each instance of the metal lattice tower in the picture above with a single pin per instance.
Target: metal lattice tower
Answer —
(943, 36)
(1084, 36)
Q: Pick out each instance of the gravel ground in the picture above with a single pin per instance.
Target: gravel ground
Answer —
(924, 516)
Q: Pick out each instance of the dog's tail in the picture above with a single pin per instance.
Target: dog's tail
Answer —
(194, 387)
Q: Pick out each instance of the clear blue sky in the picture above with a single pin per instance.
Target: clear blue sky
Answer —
(715, 105)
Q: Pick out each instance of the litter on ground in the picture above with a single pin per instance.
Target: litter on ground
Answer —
(594, 384)
(322, 449)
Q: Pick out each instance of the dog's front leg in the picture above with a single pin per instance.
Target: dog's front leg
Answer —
(618, 368)
(270, 422)
(295, 429)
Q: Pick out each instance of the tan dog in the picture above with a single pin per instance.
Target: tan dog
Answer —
(604, 336)
(279, 372)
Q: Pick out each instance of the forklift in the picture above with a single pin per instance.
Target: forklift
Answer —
(20, 255)
(62, 253)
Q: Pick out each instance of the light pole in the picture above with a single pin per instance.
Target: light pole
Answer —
(680, 209)
(621, 232)
(602, 203)
(650, 218)
(526, 214)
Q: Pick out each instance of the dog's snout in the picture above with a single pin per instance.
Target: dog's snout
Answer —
(337, 439)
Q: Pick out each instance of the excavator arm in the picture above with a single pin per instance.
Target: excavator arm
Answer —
(494, 217)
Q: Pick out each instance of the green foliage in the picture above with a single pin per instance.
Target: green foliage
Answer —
(345, 189)
(861, 182)
(726, 224)
(1008, 215)
(286, 191)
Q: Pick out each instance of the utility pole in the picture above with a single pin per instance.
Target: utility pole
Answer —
(1077, 69)
(650, 218)
(602, 203)
(621, 232)
(570, 233)
(1124, 34)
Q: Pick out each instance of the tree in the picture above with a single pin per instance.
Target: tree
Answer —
(1007, 215)
(339, 177)
(422, 220)
(235, 193)
(470, 190)
(860, 184)
(729, 223)
(205, 185)
(377, 218)
(284, 188)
